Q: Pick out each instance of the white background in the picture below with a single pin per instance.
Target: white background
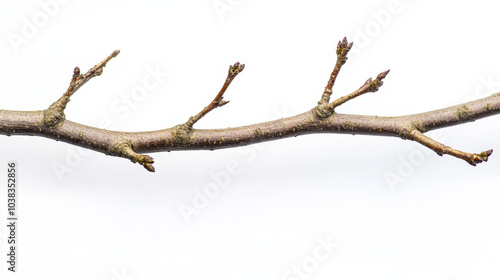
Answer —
(106, 218)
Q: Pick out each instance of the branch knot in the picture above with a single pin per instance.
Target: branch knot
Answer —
(54, 115)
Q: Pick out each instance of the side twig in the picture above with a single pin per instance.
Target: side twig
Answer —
(343, 48)
(369, 86)
(55, 113)
(218, 101)
(441, 149)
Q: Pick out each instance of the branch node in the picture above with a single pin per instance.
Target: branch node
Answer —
(54, 115)
(181, 132)
(324, 110)
(321, 111)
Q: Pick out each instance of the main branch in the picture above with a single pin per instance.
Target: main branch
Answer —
(52, 123)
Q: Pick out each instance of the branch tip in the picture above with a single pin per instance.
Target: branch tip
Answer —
(222, 103)
(234, 70)
(147, 162)
(343, 48)
(149, 167)
(76, 72)
(478, 158)
(377, 83)
(440, 149)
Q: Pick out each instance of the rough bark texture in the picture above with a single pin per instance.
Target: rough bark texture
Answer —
(51, 122)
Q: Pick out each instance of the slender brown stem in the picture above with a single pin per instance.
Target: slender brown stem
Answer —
(54, 115)
(343, 48)
(369, 86)
(233, 71)
(79, 80)
(441, 149)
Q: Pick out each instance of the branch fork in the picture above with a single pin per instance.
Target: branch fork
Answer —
(326, 108)
(54, 116)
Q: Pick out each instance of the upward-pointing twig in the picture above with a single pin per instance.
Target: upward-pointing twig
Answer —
(343, 48)
(55, 113)
(233, 71)
(79, 80)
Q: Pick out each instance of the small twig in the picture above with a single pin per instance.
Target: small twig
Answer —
(55, 113)
(233, 71)
(125, 150)
(441, 149)
(343, 48)
(79, 80)
(369, 86)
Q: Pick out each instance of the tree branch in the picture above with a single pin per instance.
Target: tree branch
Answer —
(51, 122)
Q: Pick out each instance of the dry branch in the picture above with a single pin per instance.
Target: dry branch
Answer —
(51, 122)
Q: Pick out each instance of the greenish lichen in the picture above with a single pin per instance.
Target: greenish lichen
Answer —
(348, 126)
(181, 133)
(463, 112)
(488, 106)
(257, 132)
(53, 118)
(54, 115)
